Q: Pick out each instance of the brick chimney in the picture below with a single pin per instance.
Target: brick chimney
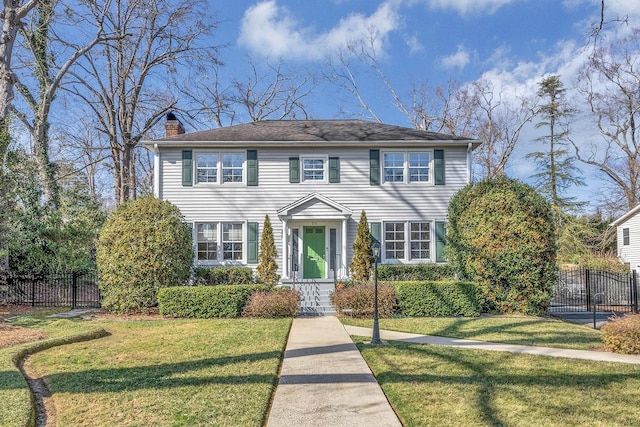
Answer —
(173, 126)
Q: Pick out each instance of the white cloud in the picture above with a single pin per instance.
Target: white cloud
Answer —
(466, 7)
(414, 44)
(458, 60)
(271, 30)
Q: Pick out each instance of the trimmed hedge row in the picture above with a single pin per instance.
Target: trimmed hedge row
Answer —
(209, 276)
(410, 272)
(205, 301)
(447, 298)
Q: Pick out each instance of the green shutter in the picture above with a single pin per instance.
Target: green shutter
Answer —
(374, 167)
(294, 169)
(187, 168)
(438, 163)
(252, 167)
(376, 232)
(334, 169)
(440, 241)
(252, 243)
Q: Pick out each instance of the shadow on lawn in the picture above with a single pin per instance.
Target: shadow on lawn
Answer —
(161, 376)
(456, 330)
(493, 379)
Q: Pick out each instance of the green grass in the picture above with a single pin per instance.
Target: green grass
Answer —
(440, 386)
(535, 331)
(167, 373)
(15, 399)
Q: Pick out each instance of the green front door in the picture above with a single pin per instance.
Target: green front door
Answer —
(314, 254)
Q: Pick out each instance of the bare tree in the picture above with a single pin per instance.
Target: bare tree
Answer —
(127, 81)
(46, 60)
(497, 122)
(610, 82)
(269, 93)
(13, 12)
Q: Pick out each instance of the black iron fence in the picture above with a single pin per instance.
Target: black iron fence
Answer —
(73, 289)
(590, 290)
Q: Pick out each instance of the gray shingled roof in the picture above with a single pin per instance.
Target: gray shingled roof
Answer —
(312, 131)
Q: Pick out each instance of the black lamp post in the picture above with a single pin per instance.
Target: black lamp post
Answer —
(375, 338)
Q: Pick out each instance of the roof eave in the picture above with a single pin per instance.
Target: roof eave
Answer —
(625, 217)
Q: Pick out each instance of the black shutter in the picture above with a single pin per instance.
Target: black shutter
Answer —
(187, 168)
(374, 167)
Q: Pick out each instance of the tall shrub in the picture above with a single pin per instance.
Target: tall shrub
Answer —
(362, 252)
(144, 246)
(267, 266)
(501, 236)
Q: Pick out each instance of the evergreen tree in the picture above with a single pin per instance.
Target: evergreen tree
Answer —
(557, 172)
(362, 252)
(267, 266)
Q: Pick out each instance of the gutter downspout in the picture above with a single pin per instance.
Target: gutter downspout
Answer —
(156, 171)
(469, 163)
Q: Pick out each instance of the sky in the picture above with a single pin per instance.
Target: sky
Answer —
(513, 43)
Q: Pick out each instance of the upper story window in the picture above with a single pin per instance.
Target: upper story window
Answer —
(625, 237)
(225, 167)
(313, 169)
(419, 167)
(232, 167)
(207, 167)
(406, 167)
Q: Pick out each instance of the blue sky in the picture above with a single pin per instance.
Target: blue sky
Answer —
(514, 43)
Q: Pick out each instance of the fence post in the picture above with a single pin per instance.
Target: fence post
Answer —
(634, 290)
(74, 289)
(588, 283)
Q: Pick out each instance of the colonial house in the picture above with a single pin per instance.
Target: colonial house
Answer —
(313, 178)
(628, 238)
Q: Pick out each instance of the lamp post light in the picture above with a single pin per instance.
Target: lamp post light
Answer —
(375, 338)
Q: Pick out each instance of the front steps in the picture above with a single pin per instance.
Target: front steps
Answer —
(314, 296)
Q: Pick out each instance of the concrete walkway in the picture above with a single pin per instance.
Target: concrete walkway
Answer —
(483, 345)
(325, 381)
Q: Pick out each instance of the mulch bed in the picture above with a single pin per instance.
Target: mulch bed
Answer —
(12, 335)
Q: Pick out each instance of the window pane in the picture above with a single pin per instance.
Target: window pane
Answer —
(232, 167)
(313, 169)
(393, 167)
(232, 241)
(418, 167)
(420, 240)
(207, 240)
(207, 167)
(394, 240)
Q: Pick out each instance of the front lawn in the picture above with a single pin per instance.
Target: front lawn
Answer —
(165, 372)
(535, 331)
(440, 386)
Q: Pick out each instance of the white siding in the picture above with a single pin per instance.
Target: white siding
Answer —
(238, 202)
(630, 253)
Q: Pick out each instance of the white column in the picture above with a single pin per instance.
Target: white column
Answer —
(343, 257)
(285, 250)
(156, 171)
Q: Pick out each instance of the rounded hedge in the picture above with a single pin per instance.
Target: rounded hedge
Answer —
(501, 236)
(143, 246)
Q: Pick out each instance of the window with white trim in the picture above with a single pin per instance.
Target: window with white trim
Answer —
(219, 241)
(313, 169)
(393, 167)
(420, 240)
(625, 237)
(232, 167)
(222, 168)
(406, 166)
(419, 167)
(207, 167)
(207, 241)
(232, 241)
(394, 240)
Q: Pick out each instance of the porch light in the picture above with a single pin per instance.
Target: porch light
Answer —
(375, 337)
